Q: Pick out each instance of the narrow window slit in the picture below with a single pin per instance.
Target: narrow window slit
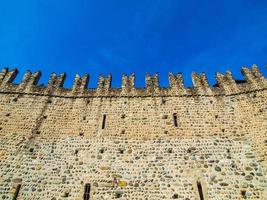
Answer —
(200, 191)
(175, 120)
(17, 192)
(104, 121)
(87, 188)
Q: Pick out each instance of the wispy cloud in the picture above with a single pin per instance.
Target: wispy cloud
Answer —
(112, 57)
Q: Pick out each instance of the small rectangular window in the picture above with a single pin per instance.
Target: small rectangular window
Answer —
(175, 122)
(87, 188)
(104, 121)
(200, 191)
(17, 192)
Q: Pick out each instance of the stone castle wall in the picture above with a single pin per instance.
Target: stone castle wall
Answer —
(133, 143)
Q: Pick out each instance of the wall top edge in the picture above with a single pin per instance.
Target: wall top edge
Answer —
(225, 85)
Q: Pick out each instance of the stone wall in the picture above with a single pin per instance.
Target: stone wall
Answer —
(53, 140)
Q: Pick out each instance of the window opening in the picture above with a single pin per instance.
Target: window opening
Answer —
(175, 120)
(104, 121)
(17, 192)
(87, 189)
(200, 191)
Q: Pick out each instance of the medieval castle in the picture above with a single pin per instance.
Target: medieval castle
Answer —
(153, 143)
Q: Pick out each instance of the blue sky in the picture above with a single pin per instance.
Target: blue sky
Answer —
(124, 36)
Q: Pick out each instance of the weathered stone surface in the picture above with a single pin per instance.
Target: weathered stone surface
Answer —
(54, 141)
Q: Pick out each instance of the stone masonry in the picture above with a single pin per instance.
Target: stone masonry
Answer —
(152, 143)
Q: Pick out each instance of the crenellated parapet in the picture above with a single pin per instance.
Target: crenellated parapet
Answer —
(176, 83)
(29, 81)
(128, 84)
(152, 84)
(80, 83)
(7, 77)
(253, 76)
(226, 85)
(103, 85)
(55, 83)
(200, 83)
(3, 74)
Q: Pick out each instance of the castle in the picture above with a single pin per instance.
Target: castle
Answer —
(153, 143)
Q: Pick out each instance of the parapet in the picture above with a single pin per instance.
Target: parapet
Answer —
(226, 85)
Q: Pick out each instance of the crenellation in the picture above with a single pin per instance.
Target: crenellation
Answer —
(84, 82)
(226, 82)
(34, 79)
(176, 84)
(26, 78)
(24, 81)
(152, 84)
(226, 85)
(76, 83)
(256, 72)
(128, 84)
(104, 85)
(3, 74)
(253, 77)
(80, 83)
(204, 142)
(200, 84)
(29, 81)
(8, 77)
(259, 77)
(249, 76)
(55, 84)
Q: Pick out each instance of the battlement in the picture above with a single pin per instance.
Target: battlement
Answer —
(176, 142)
(226, 85)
